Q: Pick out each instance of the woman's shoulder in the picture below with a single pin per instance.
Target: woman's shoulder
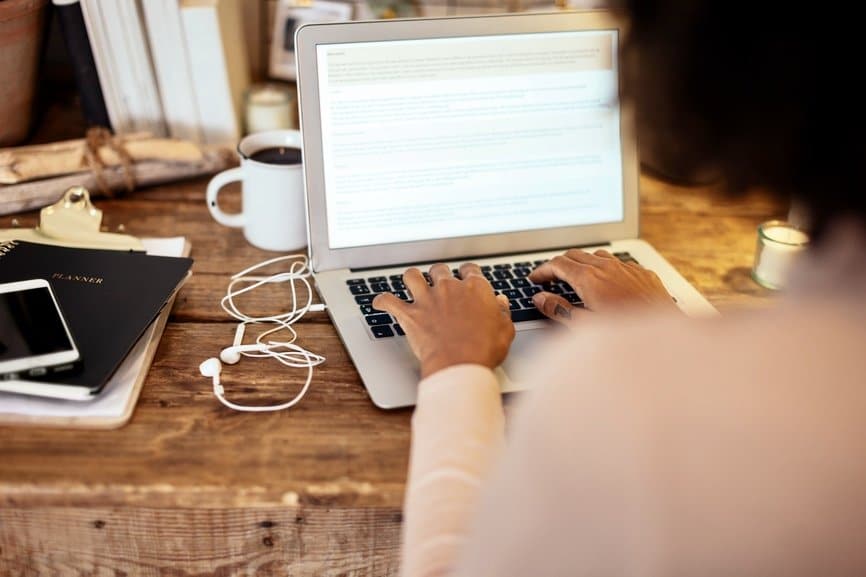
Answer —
(671, 372)
(741, 346)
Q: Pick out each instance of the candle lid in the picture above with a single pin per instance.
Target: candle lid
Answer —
(268, 95)
(782, 232)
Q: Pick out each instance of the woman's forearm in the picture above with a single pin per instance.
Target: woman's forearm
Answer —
(457, 433)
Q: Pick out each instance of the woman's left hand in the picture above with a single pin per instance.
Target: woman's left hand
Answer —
(454, 321)
(602, 281)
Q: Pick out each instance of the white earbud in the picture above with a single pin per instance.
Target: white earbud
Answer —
(286, 352)
(231, 355)
(211, 368)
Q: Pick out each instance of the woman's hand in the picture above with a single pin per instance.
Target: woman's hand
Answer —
(454, 321)
(602, 281)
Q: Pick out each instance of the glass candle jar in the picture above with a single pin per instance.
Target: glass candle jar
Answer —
(779, 245)
(269, 107)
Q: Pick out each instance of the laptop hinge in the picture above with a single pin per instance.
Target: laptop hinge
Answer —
(476, 257)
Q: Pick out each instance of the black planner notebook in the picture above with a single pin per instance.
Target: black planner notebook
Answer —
(108, 297)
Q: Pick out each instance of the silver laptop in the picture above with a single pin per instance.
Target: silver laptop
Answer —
(495, 139)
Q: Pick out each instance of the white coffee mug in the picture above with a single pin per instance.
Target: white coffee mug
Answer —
(272, 198)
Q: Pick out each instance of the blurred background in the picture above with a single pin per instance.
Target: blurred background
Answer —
(199, 70)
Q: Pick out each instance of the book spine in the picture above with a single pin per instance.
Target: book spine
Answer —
(117, 109)
(171, 65)
(81, 57)
(132, 68)
(210, 75)
(235, 54)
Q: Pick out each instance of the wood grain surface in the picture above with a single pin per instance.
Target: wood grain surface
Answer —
(190, 487)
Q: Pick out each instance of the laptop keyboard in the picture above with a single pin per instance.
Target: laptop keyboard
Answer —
(509, 279)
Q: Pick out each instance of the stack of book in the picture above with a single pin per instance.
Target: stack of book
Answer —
(116, 304)
(176, 67)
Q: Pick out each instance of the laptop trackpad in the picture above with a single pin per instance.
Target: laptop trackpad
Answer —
(527, 346)
(514, 372)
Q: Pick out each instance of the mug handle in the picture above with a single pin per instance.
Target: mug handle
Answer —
(213, 190)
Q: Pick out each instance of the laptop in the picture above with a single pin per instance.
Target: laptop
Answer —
(499, 140)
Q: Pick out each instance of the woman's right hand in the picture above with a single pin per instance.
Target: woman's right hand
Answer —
(452, 321)
(603, 282)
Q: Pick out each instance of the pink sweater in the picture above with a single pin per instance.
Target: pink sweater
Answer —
(658, 446)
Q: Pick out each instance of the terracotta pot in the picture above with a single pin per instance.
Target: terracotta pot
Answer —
(21, 26)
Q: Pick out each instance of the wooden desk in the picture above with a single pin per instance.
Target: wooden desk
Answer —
(189, 487)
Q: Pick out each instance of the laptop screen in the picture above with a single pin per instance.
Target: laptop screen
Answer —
(452, 137)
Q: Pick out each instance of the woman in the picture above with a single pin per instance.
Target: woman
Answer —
(651, 444)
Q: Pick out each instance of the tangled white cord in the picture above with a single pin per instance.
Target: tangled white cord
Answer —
(288, 352)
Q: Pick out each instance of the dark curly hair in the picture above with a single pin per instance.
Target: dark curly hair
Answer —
(761, 94)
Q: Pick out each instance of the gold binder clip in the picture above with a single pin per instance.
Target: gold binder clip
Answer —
(72, 221)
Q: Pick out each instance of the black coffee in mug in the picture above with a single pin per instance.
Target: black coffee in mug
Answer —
(283, 155)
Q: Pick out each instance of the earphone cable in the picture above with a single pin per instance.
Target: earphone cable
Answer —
(287, 352)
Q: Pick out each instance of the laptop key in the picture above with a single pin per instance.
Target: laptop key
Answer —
(532, 314)
(523, 264)
(489, 276)
(503, 274)
(527, 303)
(519, 282)
(359, 289)
(364, 299)
(378, 319)
(399, 330)
(521, 272)
(625, 257)
(513, 293)
(402, 295)
(486, 268)
(504, 266)
(380, 287)
(377, 279)
(396, 277)
(356, 281)
(514, 305)
(531, 290)
(369, 310)
(500, 285)
(397, 285)
(382, 331)
(572, 298)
